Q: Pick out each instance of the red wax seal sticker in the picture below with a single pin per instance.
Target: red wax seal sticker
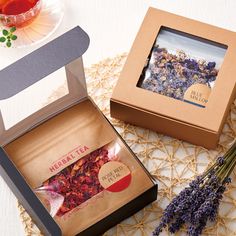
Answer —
(114, 176)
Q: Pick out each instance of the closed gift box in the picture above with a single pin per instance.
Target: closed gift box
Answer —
(178, 78)
(61, 157)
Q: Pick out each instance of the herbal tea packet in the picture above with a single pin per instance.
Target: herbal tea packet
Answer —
(79, 167)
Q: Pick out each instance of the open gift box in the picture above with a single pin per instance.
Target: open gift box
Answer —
(63, 160)
(178, 78)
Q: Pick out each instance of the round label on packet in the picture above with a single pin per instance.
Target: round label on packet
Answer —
(114, 176)
(197, 94)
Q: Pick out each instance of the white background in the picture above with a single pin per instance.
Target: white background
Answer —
(112, 26)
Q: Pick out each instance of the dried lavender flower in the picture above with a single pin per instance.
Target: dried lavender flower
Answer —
(220, 160)
(176, 206)
(199, 202)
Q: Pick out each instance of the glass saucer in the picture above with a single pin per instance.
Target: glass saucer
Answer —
(42, 27)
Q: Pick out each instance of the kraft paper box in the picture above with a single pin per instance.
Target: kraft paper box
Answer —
(61, 157)
(178, 78)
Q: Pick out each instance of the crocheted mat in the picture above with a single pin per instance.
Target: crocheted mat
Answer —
(172, 162)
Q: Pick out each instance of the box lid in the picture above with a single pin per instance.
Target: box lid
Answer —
(36, 70)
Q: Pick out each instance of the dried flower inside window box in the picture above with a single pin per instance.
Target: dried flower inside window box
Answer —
(171, 75)
(177, 67)
(76, 183)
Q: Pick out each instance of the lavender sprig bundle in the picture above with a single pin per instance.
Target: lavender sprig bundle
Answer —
(199, 202)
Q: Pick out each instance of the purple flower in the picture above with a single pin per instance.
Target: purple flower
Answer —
(227, 180)
(160, 88)
(169, 66)
(191, 64)
(196, 230)
(187, 73)
(195, 205)
(207, 208)
(210, 78)
(174, 227)
(211, 65)
(158, 50)
(177, 84)
(177, 206)
(199, 203)
(179, 73)
(220, 160)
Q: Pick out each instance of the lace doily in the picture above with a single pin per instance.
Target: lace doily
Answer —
(172, 162)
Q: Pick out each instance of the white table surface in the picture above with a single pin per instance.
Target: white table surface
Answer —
(112, 26)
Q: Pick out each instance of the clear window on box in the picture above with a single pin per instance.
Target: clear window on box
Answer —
(182, 66)
(33, 98)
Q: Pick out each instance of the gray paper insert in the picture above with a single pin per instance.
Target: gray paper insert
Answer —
(65, 51)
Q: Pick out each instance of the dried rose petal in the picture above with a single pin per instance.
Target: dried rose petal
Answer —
(78, 182)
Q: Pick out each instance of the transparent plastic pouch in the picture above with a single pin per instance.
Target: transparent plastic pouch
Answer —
(178, 61)
(80, 182)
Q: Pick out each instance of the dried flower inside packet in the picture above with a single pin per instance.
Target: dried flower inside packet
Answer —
(172, 74)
